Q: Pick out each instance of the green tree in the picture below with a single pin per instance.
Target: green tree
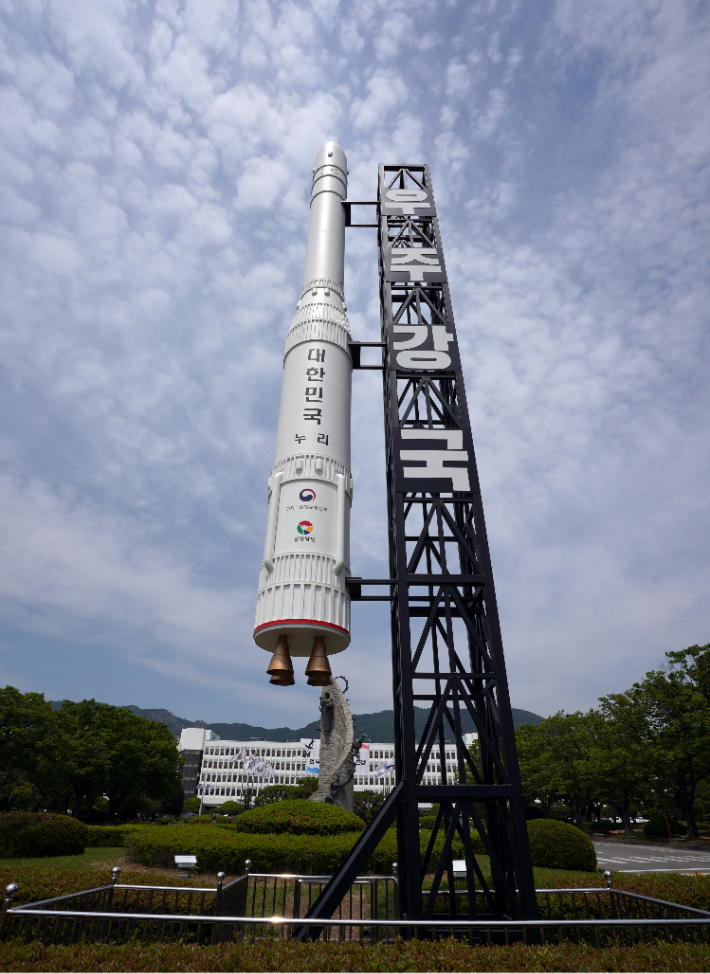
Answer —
(539, 783)
(122, 753)
(555, 763)
(174, 800)
(303, 788)
(618, 764)
(667, 718)
(367, 804)
(32, 746)
(87, 752)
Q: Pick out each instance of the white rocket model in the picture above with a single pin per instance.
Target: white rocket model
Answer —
(303, 607)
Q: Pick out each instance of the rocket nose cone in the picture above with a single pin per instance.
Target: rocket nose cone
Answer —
(331, 154)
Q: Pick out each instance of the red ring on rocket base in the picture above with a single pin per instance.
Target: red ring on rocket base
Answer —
(300, 634)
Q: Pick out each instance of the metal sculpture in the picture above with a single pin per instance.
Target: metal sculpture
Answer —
(338, 748)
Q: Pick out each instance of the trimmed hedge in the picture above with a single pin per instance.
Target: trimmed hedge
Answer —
(298, 817)
(109, 836)
(37, 881)
(557, 845)
(604, 825)
(658, 829)
(427, 821)
(28, 835)
(225, 849)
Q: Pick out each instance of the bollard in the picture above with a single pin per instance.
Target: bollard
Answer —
(607, 877)
(114, 875)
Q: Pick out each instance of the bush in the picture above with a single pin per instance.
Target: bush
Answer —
(367, 804)
(303, 788)
(557, 845)
(230, 808)
(226, 849)
(657, 828)
(37, 834)
(298, 817)
(533, 811)
(109, 836)
(191, 805)
(427, 822)
(604, 825)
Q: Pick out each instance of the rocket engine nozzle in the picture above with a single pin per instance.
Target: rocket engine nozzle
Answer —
(280, 668)
(318, 670)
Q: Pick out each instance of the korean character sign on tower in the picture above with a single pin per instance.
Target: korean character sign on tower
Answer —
(303, 606)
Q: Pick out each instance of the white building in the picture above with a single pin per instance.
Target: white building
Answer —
(219, 766)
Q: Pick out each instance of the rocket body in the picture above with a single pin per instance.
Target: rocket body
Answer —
(302, 593)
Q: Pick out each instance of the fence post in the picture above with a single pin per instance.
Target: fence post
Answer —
(106, 925)
(395, 876)
(612, 895)
(297, 898)
(114, 879)
(216, 928)
(218, 897)
(10, 893)
(245, 884)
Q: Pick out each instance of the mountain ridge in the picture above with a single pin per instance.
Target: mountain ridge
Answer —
(375, 726)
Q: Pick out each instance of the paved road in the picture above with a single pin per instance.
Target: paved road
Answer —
(629, 858)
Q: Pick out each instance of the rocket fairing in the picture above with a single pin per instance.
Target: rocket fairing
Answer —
(303, 606)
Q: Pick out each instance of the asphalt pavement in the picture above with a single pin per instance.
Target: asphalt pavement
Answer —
(630, 857)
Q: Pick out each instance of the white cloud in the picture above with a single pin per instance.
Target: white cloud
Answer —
(154, 176)
(386, 92)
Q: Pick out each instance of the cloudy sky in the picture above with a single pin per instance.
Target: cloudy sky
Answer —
(155, 164)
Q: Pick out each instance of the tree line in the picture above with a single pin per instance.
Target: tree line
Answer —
(646, 750)
(85, 755)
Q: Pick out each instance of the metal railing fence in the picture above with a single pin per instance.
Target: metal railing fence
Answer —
(258, 905)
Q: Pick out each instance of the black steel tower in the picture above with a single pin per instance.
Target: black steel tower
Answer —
(447, 653)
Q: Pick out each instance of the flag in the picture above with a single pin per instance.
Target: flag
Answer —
(385, 768)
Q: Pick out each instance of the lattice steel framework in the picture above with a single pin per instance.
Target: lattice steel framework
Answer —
(447, 652)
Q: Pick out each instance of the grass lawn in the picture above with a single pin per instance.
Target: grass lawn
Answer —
(90, 859)
(446, 955)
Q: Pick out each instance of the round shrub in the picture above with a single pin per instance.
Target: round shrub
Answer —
(298, 817)
(557, 845)
(657, 828)
(533, 812)
(230, 808)
(32, 835)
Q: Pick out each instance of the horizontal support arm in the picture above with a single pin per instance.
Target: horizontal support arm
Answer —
(348, 204)
(454, 793)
